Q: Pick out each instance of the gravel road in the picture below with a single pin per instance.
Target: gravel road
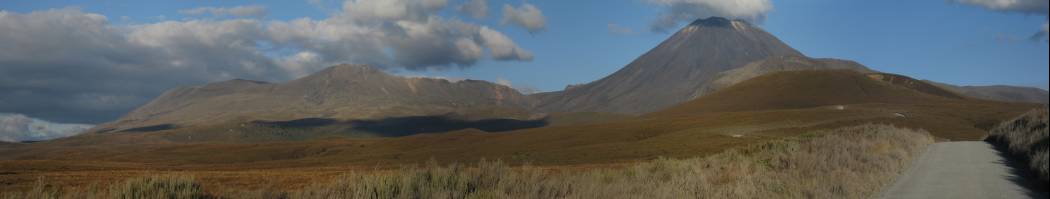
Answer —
(959, 170)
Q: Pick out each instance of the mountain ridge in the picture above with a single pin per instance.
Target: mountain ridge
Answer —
(338, 92)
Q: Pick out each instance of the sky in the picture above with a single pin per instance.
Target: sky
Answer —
(77, 61)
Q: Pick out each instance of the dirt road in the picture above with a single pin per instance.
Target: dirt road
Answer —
(959, 170)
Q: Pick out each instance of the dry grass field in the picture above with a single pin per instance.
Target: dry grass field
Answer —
(222, 160)
(853, 162)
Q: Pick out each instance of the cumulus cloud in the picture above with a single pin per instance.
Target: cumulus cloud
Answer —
(392, 37)
(527, 16)
(677, 11)
(475, 8)
(1030, 7)
(386, 10)
(502, 47)
(68, 66)
(238, 11)
(19, 128)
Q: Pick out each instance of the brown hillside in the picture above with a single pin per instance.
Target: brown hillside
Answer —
(765, 108)
(914, 84)
(803, 89)
(1001, 93)
(339, 92)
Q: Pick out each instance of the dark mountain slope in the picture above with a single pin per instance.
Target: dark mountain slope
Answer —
(677, 70)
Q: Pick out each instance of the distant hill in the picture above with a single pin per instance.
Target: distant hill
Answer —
(20, 128)
(813, 88)
(679, 69)
(780, 64)
(769, 107)
(341, 92)
(1001, 93)
(917, 85)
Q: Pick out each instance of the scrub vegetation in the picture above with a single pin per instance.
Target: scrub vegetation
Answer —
(852, 162)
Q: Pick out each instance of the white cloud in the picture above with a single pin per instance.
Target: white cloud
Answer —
(238, 11)
(526, 16)
(688, 10)
(19, 128)
(502, 47)
(475, 8)
(504, 82)
(1022, 6)
(385, 10)
(69, 66)
(1033, 7)
(434, 42)
(301, 64)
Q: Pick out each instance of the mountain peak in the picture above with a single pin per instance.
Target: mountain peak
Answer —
(712, 21)
(353, 68)
(679, 69)
(344, 71)
(720, 22)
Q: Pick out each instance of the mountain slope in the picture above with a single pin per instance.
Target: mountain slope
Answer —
(809, 89)
(762, 109)
(675, 71)
(780, 64)
(339, 92)
(914, 84)
(1001, 93)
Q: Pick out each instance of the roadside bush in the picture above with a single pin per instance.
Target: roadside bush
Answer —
(1027, 137)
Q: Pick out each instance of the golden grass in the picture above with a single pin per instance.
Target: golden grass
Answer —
(853, 162)
(150, 187)
(1028, 137)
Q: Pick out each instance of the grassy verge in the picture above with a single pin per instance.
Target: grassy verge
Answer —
(853, 162)
(1027, 139)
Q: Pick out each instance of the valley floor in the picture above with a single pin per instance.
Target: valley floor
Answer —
(851, 162)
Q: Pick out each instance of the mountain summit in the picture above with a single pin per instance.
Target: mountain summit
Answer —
(679, 69)
(339, 92)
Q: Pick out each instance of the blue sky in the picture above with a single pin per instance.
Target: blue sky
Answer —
(940, 40)
(934, 40)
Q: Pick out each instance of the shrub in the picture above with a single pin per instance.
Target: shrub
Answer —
(157, 187)
(1027, 137)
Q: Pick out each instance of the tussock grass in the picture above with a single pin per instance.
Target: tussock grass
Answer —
(151, 187)
(853, 162)
(1027, 137)
(158, 187)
